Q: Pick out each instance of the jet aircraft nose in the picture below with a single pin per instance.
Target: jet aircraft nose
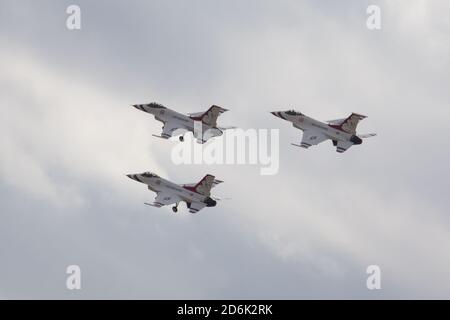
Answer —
(132, 176)
(141, 107)
(277, 114)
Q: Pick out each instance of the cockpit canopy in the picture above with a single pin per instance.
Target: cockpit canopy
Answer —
(156, 105)
(149, 175)
(293, 113)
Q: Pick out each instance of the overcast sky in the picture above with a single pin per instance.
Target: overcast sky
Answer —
(68, 136)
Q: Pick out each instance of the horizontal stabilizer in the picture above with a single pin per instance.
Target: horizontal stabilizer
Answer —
(366, 135)
(196, 207)
(156, 205)
(342, 146)
(227, 128)
(160, 136)
(219, 198)
(299, 145)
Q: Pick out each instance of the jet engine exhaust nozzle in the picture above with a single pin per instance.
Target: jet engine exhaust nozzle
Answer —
(210, 202)
(356, 139)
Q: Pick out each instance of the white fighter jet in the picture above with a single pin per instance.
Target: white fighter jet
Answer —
(196, 195)
(173, 120)
(342, 132)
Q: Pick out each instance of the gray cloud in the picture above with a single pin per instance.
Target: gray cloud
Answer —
(68, 136)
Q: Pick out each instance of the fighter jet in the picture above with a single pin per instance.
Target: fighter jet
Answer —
(342, 132)
(196, 195)
(173, 120)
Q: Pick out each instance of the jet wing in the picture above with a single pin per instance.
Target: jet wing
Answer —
(164, 199)
(342, 146)
(196, 207)
(310, 138)
(168, 129)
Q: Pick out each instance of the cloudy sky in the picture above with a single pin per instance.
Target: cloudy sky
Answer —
(68, 136)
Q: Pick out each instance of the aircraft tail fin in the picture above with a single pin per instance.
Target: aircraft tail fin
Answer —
(350, 123)
(204, 186)
(210, 116)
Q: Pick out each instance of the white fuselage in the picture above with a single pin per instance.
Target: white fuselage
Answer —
(158, 184)
(303, 122)
(183, 121)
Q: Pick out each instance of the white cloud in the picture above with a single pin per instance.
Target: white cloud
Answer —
(68, 137)
(54, 122)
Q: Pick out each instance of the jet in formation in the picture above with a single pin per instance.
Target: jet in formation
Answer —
(342, 132)
(173, 120)
(196, 195)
